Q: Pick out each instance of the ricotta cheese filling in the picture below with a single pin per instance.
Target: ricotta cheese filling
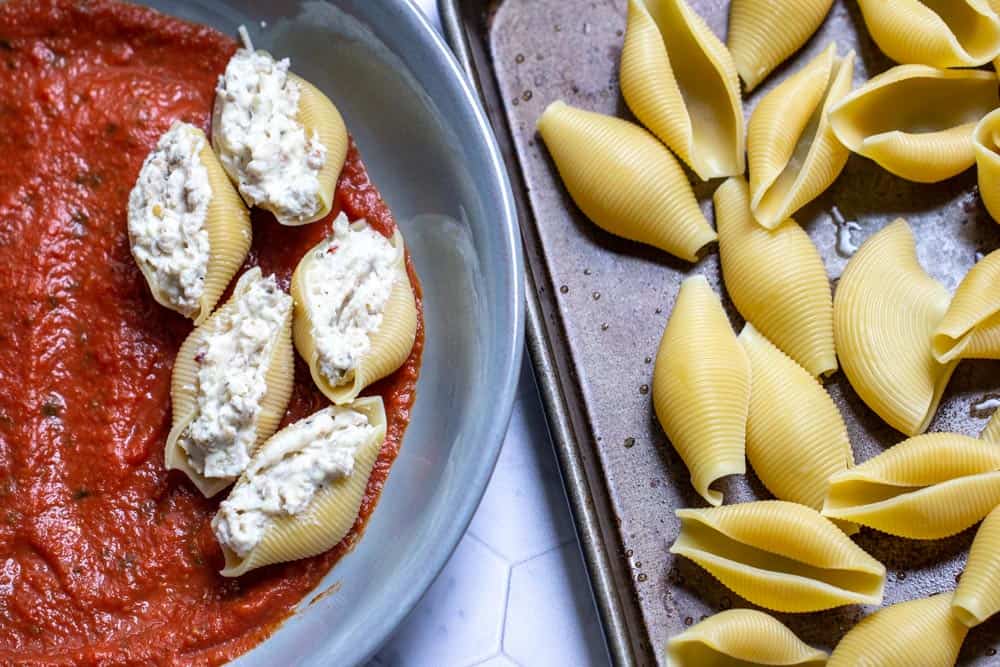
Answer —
(287, 473)
(348, 284)
(263, 147)
(167, 209)
(231, 382)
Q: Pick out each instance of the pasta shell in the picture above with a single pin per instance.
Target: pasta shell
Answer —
(780, 555)
(941, 33)
(976, 301)
(740, 638)
(794, 155)
(331, 512)
(992, 430)
(680, 81)
(917, 632)
(764, 33)
(986, 141)
(884, 312)
(763, 267)
(701, 388)
(389, 344)
(796, 438)
(926, 142)
(926, 488)
(278, 379)
(978, 594)
(624, 180)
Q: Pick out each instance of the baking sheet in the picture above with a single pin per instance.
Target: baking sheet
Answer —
(603, 303)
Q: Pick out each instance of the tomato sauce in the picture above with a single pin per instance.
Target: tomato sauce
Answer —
(105, 558)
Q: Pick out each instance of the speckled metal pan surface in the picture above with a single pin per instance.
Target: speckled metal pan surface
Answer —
(600, 305)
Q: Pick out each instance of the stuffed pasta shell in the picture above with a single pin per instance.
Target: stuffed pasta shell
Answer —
(928, 141)
(188, 229)
(928, 487)
(701, 388)
(949, 33)
(302, 491)
(232, 380)
(680, 81)
(355, 315)
(780, 555)
(978, 594)
(793, 153)
(763, 267)
(884, 312)
(992, 431)
(282, 141)
(764, 33)
(986, 141)
(916, 632)
(971, 327)
(740, 638)
(624, 180)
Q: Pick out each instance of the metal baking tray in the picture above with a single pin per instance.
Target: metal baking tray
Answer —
(597, 306)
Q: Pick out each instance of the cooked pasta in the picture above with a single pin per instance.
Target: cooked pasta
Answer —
(967, 329)
(978, 594)
(942, 33)
(884, 312)
(986, 141)
(992, 430)
(701, 388)
(624, 180)
(764, 33)
(926, 142)
(740, 638)
(680, 82)
(793, 153)
(917, 632)
(780, 555)
(796, 438)
(764, 267)
(925, 488)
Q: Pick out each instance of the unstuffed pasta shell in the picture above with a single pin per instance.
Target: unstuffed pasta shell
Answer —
(232, 380)
(764, 33)
(940, 33)
(318, 469)
(970, 327)
(355, 315)
(926, 488)
(794, 155)
(916, 632)
(624, 180)
(740, 638)
(885, 310)
(986, 140)
(780, 555)
(978, 594)
(188, 229)
(680, 82)
(926, 141)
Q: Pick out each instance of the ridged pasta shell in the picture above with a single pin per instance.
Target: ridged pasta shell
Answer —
(917, 632)
(624, 180)
(976, 302)
(978, 594)
(279, 378)
(941, 33)
(764, 33)
(780, 555)
(992, 430)
(926, 142)
(319, 115)
(740, 638)
(701, 387)
(794, 155)
(391, 343)
(796, 438)
(926, 488)
(884, 312)
(330, 515)
(680, 81)
(764, 267)
(986, 141)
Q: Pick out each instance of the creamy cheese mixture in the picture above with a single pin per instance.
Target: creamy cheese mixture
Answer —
(166, 218)
(263, 147)
(232, 368)
(348, 284)
(288, 472)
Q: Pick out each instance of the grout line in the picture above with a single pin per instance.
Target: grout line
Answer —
(506, 609)
(486, 545)
(540, 554)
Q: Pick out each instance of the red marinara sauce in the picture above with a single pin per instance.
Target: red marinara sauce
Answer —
(105, 558)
